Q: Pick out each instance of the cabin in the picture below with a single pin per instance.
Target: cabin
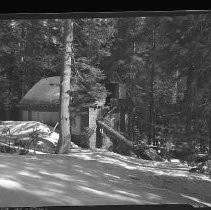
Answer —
(41, 103)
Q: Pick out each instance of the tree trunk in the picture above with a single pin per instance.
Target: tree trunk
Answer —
(209, 137)
(175, 90)
(23, 81)
(22, 61)
(151, 94)
(209, 125)
(65, 135)
(130, 124)
(122, 119)
(188, 104)
(134, 47)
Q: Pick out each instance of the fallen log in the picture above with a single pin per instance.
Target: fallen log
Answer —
(142, 151)
(114, 133)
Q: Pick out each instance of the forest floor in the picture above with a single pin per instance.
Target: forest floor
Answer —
(97, 178)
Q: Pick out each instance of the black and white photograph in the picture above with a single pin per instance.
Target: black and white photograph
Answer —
(105, 110)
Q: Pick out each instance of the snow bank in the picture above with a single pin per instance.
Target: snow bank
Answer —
(22, 129)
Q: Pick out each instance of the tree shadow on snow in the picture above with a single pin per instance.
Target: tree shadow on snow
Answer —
(70, 180)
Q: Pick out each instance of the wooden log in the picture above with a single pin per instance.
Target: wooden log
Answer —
(142, 151)
(115, 133)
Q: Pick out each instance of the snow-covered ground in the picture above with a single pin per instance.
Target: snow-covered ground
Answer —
(93, 177)
(97, 178)
(22, 129)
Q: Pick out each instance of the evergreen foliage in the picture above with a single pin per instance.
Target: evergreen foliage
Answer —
(164, 61)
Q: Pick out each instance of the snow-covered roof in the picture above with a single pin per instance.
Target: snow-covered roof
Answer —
(47, 92)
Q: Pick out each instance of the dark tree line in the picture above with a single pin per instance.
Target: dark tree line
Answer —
(164, 61)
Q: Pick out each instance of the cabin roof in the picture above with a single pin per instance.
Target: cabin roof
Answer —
(46, 93)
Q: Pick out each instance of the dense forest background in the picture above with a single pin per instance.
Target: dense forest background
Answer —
(164, 61)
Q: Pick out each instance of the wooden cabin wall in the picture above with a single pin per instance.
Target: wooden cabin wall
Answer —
(76, 125)
(93, 115)
(50, 118)
(24, 115)
(121, 91)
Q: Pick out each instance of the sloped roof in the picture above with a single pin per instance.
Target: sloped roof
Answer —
(47, 92)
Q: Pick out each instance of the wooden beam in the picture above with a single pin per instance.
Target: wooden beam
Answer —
(142, 150)
(115, 133)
